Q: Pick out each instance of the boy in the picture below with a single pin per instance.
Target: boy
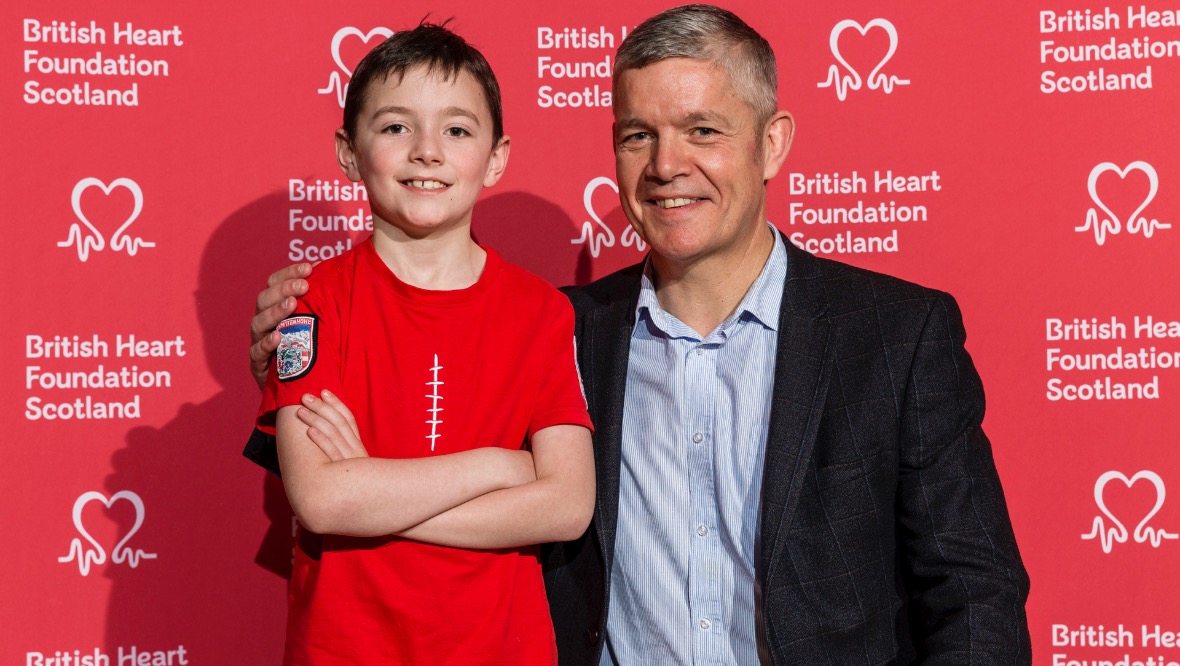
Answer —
(450, 358)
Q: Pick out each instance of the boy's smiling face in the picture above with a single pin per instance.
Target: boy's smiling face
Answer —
(423, 147)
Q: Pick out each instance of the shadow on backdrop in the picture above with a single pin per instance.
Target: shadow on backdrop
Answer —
(218, 583)
(532, 233)
(537, 235)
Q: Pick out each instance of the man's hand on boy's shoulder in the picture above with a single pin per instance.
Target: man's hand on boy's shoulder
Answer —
(273, 305)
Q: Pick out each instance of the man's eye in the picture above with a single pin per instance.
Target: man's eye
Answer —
(636, 137)
(704, 131)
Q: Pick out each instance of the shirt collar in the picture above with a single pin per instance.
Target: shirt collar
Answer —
(762, 302)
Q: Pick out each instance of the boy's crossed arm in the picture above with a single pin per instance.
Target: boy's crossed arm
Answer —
(362, 496)
(487, 497)
(557, 506)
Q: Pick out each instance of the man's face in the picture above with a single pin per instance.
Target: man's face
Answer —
(690, 167)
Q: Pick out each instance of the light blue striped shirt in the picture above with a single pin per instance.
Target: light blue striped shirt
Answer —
(695, 418)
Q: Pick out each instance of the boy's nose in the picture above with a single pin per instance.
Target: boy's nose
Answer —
(427, 149)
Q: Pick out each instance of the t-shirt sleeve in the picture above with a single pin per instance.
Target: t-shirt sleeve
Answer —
(307, 359)
(562, 400)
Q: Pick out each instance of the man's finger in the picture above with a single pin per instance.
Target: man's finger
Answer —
(277, 294)
(289, 273)
(262, 350)
(260, 355)
(273, 305)
(264, 322)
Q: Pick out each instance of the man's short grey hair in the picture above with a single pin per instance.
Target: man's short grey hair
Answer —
(705, 32)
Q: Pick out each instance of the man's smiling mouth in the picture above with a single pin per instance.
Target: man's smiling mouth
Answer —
(673, 203)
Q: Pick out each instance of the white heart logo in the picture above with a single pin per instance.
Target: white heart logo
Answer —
(851, 79)
(336, 84)
(1118, 533)
(97, 555)
(346, 31)
(603, 236)
(1112, 224)
(1152, 477)
(95, 240)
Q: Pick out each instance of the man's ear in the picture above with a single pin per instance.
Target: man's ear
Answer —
(346, 156)
(497, 162)
(776, 143)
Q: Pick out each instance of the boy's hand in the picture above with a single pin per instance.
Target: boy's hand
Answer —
(273, 305)
(331, 426)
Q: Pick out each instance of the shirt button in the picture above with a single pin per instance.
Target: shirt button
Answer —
(702, 530)
(705, 624)
(698, 438)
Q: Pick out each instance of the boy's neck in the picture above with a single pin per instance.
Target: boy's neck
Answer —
(445, 261)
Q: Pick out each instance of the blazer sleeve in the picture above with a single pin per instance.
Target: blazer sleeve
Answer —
(959, 563)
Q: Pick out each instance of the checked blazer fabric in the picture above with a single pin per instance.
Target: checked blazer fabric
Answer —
(885, 538)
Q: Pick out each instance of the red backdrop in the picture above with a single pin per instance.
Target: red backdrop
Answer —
(160, 159)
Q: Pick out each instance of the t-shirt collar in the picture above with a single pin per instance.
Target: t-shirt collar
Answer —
(762, 302)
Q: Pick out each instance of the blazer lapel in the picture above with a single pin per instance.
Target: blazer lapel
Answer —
(802, 371)
(608, 339)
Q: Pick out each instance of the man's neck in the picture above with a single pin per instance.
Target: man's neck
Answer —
(703, 294)
(444, 261)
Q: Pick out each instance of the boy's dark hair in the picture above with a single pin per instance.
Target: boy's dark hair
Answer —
(434, 46)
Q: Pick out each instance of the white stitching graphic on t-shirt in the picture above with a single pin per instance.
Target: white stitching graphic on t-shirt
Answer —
(434, 410)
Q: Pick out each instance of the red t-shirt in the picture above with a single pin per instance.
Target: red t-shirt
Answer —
(425, 373)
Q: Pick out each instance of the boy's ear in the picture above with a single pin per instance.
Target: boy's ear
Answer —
(346, 157)
(497, 162)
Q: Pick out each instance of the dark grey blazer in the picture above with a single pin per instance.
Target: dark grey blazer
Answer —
(884, 534)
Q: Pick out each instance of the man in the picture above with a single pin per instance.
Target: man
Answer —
(791, 466)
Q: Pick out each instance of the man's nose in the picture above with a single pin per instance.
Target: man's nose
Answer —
(669, 160)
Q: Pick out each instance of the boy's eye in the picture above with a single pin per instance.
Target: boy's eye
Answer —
(395, 128)
(457, 131)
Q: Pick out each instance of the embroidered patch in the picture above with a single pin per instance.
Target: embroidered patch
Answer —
(296, 352)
